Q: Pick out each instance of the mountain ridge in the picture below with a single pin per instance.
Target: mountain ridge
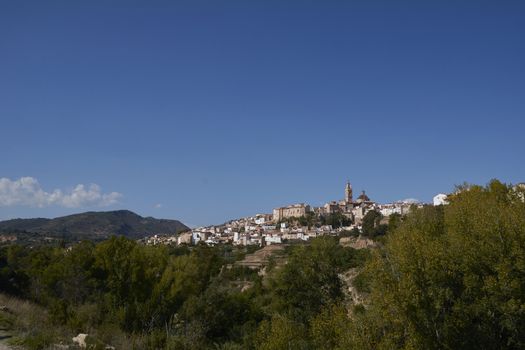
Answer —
(94, 224)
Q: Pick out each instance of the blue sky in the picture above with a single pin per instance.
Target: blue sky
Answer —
(206, 111)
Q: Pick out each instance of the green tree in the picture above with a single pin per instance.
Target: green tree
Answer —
(452, 277)
(282, 333)
(218, 312)
(309, 281)
(336, 220)
(329, 329)
(394, 220)
(371, 224)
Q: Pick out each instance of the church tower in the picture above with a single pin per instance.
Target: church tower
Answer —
(348, 193)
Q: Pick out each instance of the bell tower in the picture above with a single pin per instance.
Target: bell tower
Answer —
(348, 193)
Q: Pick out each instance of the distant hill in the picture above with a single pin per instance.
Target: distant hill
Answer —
(94, 225)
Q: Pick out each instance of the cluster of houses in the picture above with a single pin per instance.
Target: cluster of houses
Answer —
(257, 234)
(280, 226)
(275, 228)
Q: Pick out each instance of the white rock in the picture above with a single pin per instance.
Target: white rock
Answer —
(80, 339)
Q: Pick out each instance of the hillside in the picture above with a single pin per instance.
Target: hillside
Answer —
(93, 225)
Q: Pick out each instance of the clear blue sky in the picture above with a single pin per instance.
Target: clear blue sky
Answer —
(210, 110)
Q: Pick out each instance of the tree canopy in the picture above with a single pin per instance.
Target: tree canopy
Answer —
(452, 277)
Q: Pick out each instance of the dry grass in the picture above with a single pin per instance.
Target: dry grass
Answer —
(23, 314)
(29, 324)
(32, 328)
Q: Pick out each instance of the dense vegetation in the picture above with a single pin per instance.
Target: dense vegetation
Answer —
(173, 297)
(447, 277)
(451, 277)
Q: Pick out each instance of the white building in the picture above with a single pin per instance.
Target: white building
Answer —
(401, 208)
(276, 239)
(440, 199)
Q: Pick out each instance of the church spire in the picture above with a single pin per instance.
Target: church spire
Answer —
(348, 193)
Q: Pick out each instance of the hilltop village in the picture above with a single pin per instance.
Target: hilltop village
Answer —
(295, 222)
